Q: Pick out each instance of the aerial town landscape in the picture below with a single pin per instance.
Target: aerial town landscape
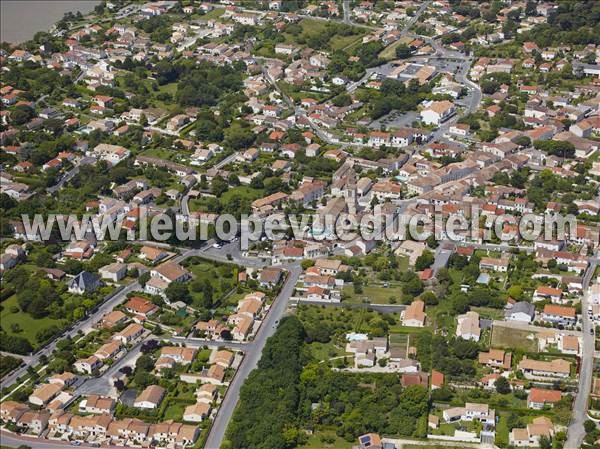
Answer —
(420, 112)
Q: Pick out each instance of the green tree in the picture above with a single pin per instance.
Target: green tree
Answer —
(502, 385)
(402, 51)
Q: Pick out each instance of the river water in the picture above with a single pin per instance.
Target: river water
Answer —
(21, 19)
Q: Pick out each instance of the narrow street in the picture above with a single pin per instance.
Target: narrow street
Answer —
(219, 426)
(576, 432)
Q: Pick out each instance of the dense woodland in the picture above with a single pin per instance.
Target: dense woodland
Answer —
(289, 394)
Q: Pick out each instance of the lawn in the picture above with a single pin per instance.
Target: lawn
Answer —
(29, 326)
(376, 291)
(389, 52)
(312, 27)
(502, 430)
(490, 313)
(322, 439)
(222, 278)
(243, 192)
(175, 411)
(504, 337)
(341, 42)
(214, 14)
(161, 153)
(326, 351)
(373, 294)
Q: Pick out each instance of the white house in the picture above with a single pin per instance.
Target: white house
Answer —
(437, 112)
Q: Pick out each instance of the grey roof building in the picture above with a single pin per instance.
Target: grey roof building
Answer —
(84, 282)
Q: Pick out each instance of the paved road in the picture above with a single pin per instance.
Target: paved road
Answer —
(200, 342)
(70, 174)
(347, 20)
(576, 432)
(217, 431)
(103, 385)
(442, 256)
(25, 358)
(12, 440)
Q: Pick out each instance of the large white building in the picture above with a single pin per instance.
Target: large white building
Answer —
(437, 112)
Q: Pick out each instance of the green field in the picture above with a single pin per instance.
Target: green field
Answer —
(374, 294)
(325, 439)
(214, 14)
(174, 411)
(504, 337)
(341, 42)
(313, 27)
(29, 326)
(389, 52)
(243, 192)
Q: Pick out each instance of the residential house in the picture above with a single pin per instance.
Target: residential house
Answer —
(559, 315)
(129, 334)
(97, 405)
(521, 311)
(496, 359)
(140, 306)
(538, 398)
(557, 368)
(44, 393)
(414, 315)
(87, 365)
(84, 282)
(437, 112)
(150, 398)
(114, 271)
(468, 326)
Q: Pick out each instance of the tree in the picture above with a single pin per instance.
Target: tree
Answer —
(219, 186)
(523, 141)
(342, 100)
(178, 291)
(402, 51)
(307, 263)
(545, 442)
(414, 287)
(589, 426)
(429, 298)
(15, 344)
(144, 363)
(502, 385)
(425, 260)
(144, 278)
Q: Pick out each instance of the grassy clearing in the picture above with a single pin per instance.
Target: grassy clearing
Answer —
(313, 27)
(504, 337)
(389, 52)
(243, 192)
(374, 294)
(214, 14)
(341, 42)
(326, 351)
(174, 411)
(321, 439)
(488, 312)
(29, 326)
